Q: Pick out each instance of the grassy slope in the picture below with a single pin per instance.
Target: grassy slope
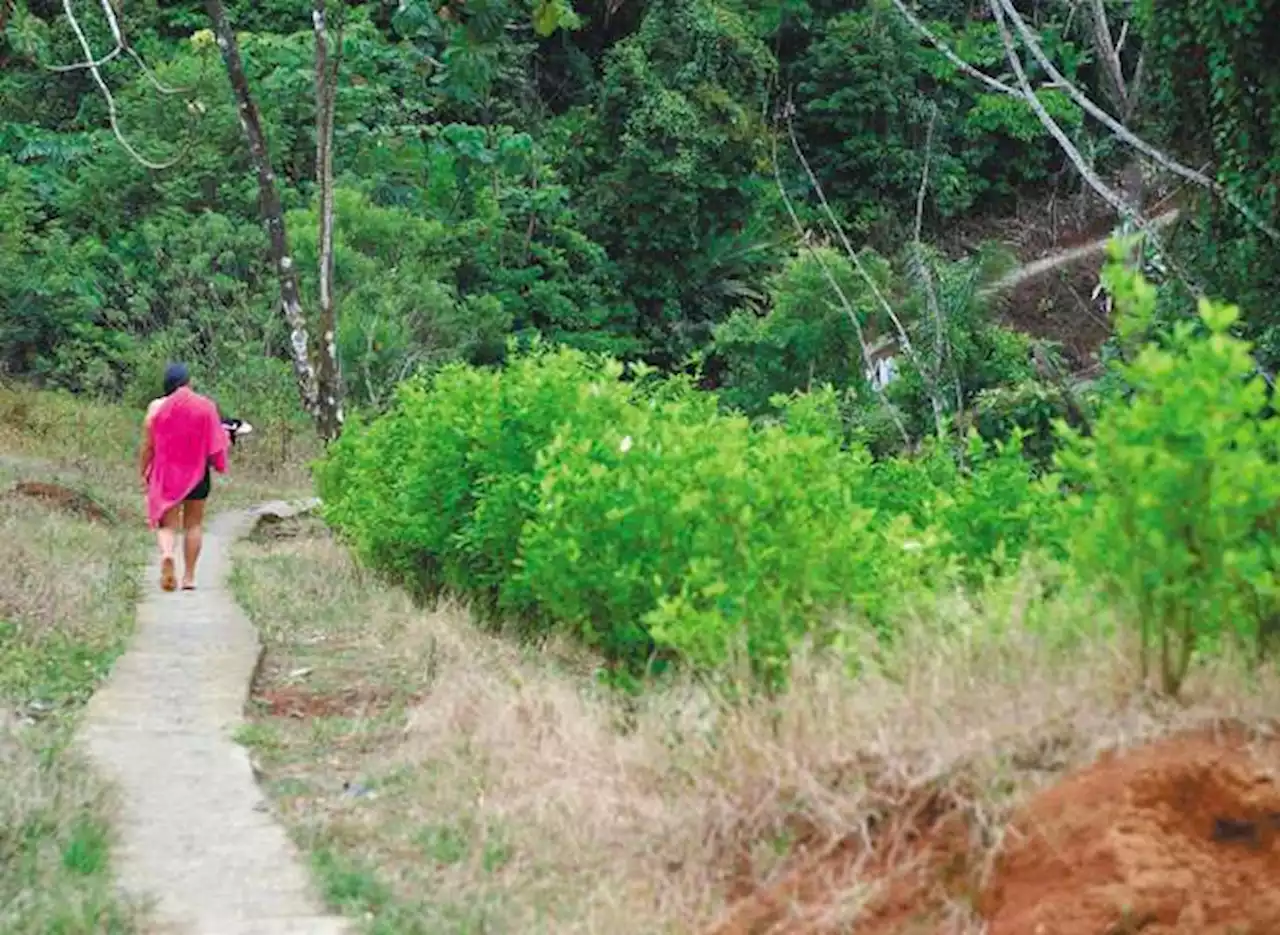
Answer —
(446, 782)
(68, 592)
(67, 597)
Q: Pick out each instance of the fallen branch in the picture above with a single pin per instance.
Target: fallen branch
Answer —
(1117, 202)
(1053, 261)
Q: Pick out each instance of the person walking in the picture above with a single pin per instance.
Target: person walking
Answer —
(183, 439)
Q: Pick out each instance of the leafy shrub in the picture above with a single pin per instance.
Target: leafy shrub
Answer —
(645, 520)
(1180, 484)
(687, 527)
(437, 490)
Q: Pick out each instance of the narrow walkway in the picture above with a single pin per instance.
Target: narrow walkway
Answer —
(195, 835)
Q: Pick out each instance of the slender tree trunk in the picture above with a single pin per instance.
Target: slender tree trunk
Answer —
(329, 382)
(1117, 87)
(270, 207)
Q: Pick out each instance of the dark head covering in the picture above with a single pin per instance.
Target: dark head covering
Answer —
(175, 375)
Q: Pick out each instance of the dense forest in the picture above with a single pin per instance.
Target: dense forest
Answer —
(769, 195)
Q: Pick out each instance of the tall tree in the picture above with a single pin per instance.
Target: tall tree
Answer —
(329, 375)
(324, 409)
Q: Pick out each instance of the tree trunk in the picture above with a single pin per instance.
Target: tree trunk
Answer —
(329, 383)
(1117, 88)
(269, 205)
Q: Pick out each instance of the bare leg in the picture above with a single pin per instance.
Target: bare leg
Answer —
(193, 539)
(167, 538)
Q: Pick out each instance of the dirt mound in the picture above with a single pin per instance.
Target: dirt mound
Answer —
(1182, 836)
(62, 498)
(271, 528)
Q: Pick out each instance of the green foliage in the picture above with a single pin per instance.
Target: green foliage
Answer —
(670, 165)
(637, 515)
(438, 489)
(808, 339)
(506, 168)
(1214, 88)
(805, 339)
(688, 529)
(1179, 484)
(641, 517)
(875, 102)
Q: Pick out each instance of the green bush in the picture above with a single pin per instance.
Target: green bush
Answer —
(437, 490)
(1179, 485)
(686, 528)
(640, 517)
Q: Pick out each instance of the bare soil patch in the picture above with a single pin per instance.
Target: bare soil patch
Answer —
(1178, 837)
(271, 528)
(58, 497)
(296, 702)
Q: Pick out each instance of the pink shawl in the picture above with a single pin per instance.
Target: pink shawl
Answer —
(186, 436)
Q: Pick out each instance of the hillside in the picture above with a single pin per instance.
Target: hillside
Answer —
(795, 466)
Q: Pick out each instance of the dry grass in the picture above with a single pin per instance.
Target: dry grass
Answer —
(470, 786)
(66, 610)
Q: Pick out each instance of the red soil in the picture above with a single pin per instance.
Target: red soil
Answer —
(1181, 837)
(1177, 837)
(899, 878)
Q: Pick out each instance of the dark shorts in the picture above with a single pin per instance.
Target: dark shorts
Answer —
(201, 490)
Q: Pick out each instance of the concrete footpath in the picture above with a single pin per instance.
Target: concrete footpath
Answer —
(194, 833)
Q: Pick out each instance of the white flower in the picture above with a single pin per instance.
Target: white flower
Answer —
(625, 445)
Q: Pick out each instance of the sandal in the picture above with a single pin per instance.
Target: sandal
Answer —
(168, 580)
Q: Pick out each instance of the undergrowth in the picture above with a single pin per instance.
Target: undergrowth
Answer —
(446, 780)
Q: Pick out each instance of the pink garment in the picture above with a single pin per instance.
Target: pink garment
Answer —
(186, 436)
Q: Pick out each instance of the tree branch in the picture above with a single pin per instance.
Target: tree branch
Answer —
(1117, 202)
(904, 338)
(844, 240)
(92, 65)
(121, 46)
(951, 56)
(1032, 43)
(940, 344)
(1110, 54)
(1122, 132)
